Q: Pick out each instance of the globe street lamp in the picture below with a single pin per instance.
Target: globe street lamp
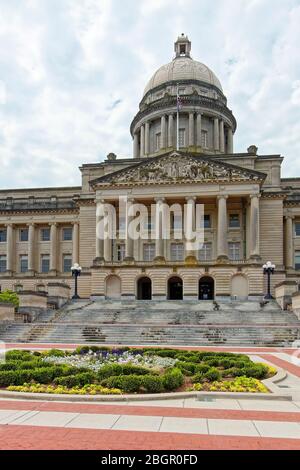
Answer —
(269, 269)
(76, 271)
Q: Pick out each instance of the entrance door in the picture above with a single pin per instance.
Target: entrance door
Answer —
(206, 288)
(175, 289)
(113, 287)
(144, 289)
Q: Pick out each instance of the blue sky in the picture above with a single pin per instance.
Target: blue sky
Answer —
(72, 73)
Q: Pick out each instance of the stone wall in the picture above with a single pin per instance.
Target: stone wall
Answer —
(284, 292)
(296, 304)
(32, 303)
(7, 312)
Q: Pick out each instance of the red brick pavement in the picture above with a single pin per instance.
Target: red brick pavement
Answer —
(153, 411)
(43, 438)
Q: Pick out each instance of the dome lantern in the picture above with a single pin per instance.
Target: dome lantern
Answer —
(183, 46)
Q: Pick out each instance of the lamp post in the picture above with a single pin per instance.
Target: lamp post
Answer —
(76, 271)
(269, 269)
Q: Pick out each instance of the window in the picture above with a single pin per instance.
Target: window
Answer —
(45, 263)
(181, 137)
(234, 220)
(177, 251)
(67, 234)
(204, 139)
(122, 224)
(23, 235)
(182, 49)
(176, 221)
(205, 254)
(234, 251)
(2, 264)
(23, 263)
(149, 251)
(121, 252)
(45, 234)
(149, 223)
(297, 229)
(207, 221)
(3, 235)
(297, 260)
(157, 141)
(67, 263)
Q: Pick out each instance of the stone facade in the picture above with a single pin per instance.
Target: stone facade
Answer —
(182, 155)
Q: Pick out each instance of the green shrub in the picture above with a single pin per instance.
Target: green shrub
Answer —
(9, 297)
(188, 368)
(152, 383)
(202, 368)
(257, 371)
(172, 379)
(55, 353)
(126, 383)
(78, 380)
(213, 375)
(18, 355)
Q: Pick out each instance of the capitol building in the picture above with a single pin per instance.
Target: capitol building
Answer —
(183, 156)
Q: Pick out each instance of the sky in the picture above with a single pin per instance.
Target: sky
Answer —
(72, 74)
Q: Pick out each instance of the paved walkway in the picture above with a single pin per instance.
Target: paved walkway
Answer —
(161, 424)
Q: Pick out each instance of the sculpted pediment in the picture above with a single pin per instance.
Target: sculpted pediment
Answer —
(177, 168)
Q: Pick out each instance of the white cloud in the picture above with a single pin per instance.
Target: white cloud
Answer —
(73, 73)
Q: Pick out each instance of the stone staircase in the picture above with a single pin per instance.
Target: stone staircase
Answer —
(188, 323)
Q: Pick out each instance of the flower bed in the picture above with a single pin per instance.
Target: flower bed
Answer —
(98, 370)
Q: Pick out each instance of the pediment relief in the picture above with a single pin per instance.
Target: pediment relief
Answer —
(179, 169)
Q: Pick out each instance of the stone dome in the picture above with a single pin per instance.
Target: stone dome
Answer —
(183, 68)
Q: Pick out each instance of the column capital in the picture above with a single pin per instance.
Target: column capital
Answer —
(53, 224)
(289, 216)
(257, 195)
(10, 225)
(31, 224)
(160, 199)
(222, 196)
(191, 198)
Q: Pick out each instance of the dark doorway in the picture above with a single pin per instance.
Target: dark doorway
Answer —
(175, 289)
(206, 288)
(144, 289)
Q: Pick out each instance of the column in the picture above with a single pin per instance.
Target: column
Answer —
(9, 248)
(31, 250)
(142, 141)
(53, 248)
(129, 243)
(136, 149)
(75, 250)
(289, 242)
(230, 141)
(159, 233)
(163, 132)
(222, 245)
(100, 231)
(147, 138)
(222, 137)
(171, 131)
(191, 130)
(190, 228)
(199, 130)
(108, 221)
(254, 227)
(216, 134)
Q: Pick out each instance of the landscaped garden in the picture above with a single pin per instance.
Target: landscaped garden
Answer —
(105, 371)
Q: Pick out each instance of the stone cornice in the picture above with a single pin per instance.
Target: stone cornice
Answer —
(39, 212)
(192, 100)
